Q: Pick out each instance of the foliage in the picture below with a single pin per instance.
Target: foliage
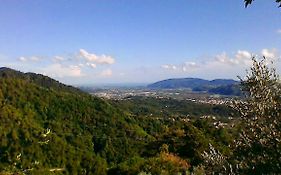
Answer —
(168, 107)
(248, 2)
(86, 132)
(163, 163)
(214, 161)
(50, 128)
(258, 149)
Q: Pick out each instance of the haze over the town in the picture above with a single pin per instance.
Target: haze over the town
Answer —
(94, 42)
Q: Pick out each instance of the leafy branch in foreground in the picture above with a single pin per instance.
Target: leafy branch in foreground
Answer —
(216, 162)
(257, 150)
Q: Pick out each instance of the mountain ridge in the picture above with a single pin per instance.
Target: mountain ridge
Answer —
(39, 79)
(217, 86)
(190, 82)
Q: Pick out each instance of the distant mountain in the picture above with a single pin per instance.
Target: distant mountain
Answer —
(217, 86)
(232, 89)
(223, 82)
(178, 83)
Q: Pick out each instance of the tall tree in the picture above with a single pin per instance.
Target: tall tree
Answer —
(258, 149)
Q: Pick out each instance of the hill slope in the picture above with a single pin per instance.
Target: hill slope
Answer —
(49, 128)
(37, 79)
(85, 132)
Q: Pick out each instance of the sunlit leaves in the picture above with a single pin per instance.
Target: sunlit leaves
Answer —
(259, 148)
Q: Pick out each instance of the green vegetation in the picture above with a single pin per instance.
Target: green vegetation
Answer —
(85, 131)
(47, 127)
(50, 128)
(257, 148)
(170, 108)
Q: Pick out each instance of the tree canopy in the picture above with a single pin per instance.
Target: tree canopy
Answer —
(257, 148)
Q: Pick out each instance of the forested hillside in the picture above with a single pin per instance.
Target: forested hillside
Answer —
(82, 128)
(51, 128)
(47, 127)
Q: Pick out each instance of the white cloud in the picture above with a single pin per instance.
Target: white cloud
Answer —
(269, 53)
(58, 70)
(165, 66)
(279, 31)
(34, 58)
(23, 59)
(65, 67)
(187, 66)
(90, 57)
(222, 58)
(243, 54)
(242, 57)
(169, 67)
(26, 59)
(190, 64)
(222, 64)
(58, 58)
(106, 73)
(92, 65)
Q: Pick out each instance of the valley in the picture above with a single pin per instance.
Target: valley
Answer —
(84, 128)
(140, 87)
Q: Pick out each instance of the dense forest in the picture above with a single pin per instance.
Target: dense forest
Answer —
(50, 128)
(47, 126)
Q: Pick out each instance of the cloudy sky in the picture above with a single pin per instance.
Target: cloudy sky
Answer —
(140, 41)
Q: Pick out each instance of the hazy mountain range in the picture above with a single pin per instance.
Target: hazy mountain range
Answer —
(217, 86)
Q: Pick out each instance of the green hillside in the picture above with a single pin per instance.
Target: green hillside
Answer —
(83, 128)
(50, 128)
(168, 107)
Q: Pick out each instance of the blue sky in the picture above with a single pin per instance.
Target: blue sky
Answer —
(140, 41)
